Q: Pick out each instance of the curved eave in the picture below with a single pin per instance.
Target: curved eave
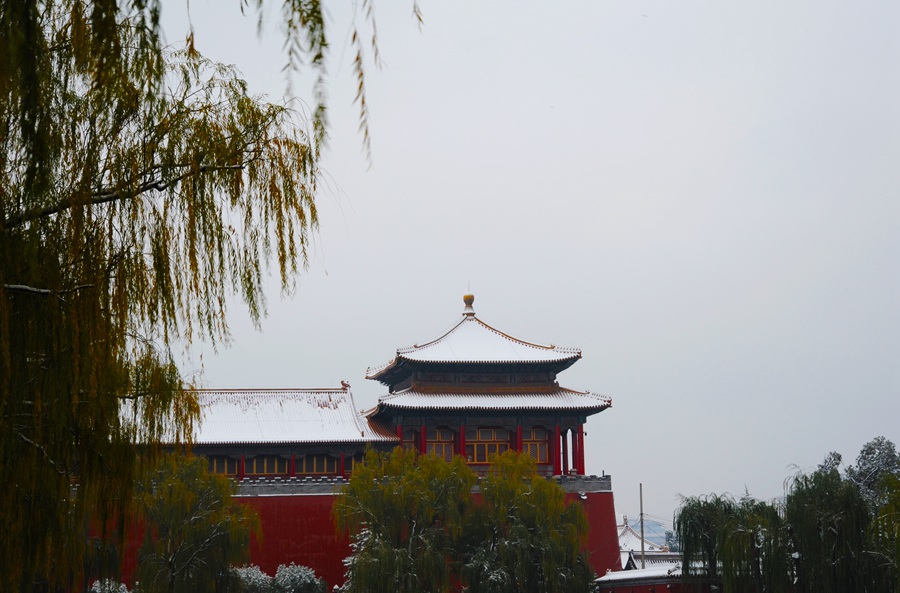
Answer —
(473, 342)
(359, 441)
(564, 400)
(400, 367)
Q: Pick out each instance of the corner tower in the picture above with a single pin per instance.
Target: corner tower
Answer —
(476, 391)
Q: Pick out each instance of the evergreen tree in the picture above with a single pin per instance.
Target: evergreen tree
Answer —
(290, 578)
(701, 525)
(885, 556)
(823, 538)
(411, 509)
(524, 536)
(877, 460)
(828, 525)
(414, 527)
(194, 532)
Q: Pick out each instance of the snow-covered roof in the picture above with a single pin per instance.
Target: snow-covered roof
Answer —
(283, 416)
(471, 340)
(629, 539)
(555, 399)
(630, 549)
(664, 571)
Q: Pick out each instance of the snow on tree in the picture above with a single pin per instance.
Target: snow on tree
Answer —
(824, 536)
(877, 460)
(253, 579)
(292, 578)
(414, 528)
(524, 536)
(193, 529)
(413, 507)
(108, 586)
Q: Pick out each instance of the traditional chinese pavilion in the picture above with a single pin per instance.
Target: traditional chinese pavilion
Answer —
(474, 391)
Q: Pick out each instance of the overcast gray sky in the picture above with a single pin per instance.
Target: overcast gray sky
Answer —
(702, 196)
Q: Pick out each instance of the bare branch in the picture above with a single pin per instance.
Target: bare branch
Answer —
(44, 453)
(44, 291)
(108, 195)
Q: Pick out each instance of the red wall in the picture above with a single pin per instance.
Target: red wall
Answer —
(656, 584)
(603, 537)
(299, 529)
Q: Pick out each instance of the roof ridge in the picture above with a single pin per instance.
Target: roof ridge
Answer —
(278, 390)
(437, 339)
(521, 341)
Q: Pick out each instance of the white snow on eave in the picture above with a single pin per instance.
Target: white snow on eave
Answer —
(672, 570)
(279, 416)
(554, 400)
(473, 341)
(630, 540)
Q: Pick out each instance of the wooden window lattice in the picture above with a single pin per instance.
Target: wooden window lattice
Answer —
(441, 443)
(265, 465)
(484, 443)
(220, 464)
(317, 464)
(535, 443)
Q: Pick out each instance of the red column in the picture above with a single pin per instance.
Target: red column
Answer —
(555, 451)
(580, 440)
(565, 452)
(576, 451)
(293, 470)
(519, 437)
(423, 440)
(342, 472)
(400, 433)
(462, 441)
(241, 469)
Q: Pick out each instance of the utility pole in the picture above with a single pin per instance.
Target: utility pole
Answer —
(642, 523)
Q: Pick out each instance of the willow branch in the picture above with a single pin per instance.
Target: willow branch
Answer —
(44, 453)
(107, 195)
(44, 291)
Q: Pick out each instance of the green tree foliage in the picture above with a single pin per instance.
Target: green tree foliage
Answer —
(410, 510)
(886, 536)
(829, 523)
(824, 536)
(194, 532)
(415, 527)
(524, 536)
(138, 188)
(877, 460)
(733, 540)
(701, 525)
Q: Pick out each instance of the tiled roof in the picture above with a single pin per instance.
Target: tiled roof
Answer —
(558, 399)
(473, 341)
(671, 570)
(629, 539)
(283, 416)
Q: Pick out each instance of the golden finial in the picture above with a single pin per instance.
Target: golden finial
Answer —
(468, 299)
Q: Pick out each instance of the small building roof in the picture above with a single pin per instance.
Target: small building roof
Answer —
(630, 549)
(471, 340)
(557, 398)
(281, 416)
(668, 572)
(629, 539)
